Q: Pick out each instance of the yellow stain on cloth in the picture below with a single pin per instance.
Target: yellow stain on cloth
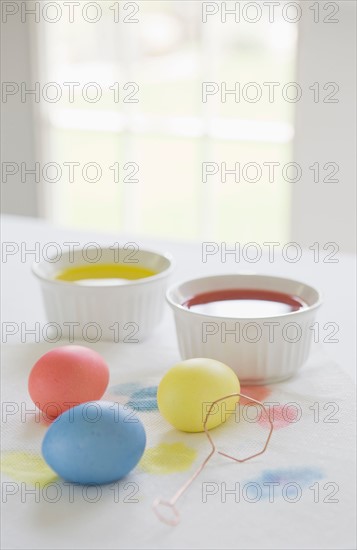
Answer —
(168, 458)
(27, 467)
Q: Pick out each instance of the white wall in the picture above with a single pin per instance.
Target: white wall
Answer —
(17, 123)
(325, 132)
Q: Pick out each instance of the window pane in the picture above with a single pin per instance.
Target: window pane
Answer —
(151, 133)
(255, 207)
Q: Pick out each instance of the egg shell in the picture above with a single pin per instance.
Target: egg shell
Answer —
(94, 443)
(188, 388)
(67, 376)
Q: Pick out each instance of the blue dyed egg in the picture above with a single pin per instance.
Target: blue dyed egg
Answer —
(95, 442)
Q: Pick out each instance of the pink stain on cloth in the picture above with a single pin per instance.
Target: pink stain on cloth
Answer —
(259, 393)
(281, 416)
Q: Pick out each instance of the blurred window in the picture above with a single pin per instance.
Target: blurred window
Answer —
(151, 156)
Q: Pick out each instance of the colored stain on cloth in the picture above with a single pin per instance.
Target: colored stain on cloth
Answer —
(283, 482)
(303, 475)
(144, 400)
(141, 398)
(259, 393)
(125, 389)
(146, 405)
(168, 458)
(27, 467)
(281, 416)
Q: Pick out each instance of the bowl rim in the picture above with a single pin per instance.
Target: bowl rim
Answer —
(36, 270)
(179, 307)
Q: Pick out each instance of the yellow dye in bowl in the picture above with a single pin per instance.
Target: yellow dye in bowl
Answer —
(104, 274)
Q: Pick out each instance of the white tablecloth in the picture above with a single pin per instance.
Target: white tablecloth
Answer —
(311, 453)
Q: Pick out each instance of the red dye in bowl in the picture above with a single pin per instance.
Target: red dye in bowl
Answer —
(244, 302)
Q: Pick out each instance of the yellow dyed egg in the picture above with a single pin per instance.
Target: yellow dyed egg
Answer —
(187, 390)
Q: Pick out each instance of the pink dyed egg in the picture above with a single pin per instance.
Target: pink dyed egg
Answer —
(65, 377)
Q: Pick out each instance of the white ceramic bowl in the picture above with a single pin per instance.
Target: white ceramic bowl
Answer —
(115, 312)
(260, 350)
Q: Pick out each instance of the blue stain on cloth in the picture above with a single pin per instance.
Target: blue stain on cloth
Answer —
(285, 482)
(141, 398)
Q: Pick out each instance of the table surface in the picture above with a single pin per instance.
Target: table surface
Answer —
(314, 452)
(22, 301)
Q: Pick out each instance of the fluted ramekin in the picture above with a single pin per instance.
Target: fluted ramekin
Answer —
(114, 312)
(260, 350)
